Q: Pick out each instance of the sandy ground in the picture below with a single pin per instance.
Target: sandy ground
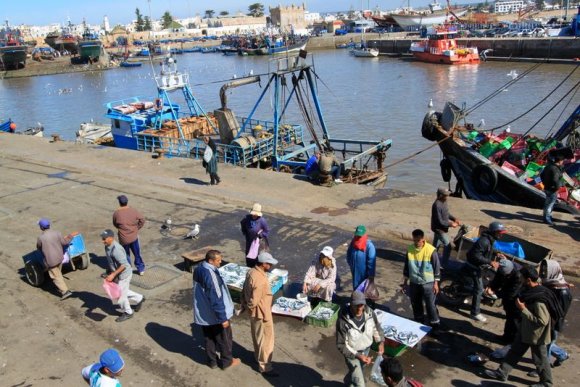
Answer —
(46, 342)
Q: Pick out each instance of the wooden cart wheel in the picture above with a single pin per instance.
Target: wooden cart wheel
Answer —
(34, 273)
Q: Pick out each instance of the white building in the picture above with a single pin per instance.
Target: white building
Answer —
(508, 6)
(106, 26)
(311, 17)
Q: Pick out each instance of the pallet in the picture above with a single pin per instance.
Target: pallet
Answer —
(192, 258)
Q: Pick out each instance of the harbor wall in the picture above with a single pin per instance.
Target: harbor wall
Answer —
(550, 48)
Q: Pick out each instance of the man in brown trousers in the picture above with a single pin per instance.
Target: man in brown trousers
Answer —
(128, 222)
(51, 243)
(257, 298)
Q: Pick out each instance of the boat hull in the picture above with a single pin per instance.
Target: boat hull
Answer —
(90, 50)
(438, 17)
(13, 57)
(446, 59)
(466, 165)
(372, 53)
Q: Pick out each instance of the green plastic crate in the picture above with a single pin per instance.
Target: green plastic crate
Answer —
(323, 323)
(489, 148)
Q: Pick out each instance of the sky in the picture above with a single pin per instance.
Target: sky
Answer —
(123, 11)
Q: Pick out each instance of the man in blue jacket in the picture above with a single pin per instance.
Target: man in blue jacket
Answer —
(361, 257)
(213, 307)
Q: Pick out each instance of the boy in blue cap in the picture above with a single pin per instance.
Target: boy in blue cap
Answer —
(105, 373)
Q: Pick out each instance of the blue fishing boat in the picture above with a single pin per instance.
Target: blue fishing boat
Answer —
(163, 126)
(130, 64)
(8, 126)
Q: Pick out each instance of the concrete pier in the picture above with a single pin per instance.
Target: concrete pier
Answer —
(76, 187)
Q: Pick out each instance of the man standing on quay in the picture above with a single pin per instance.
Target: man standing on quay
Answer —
(422, 270)
(213, 308)
(257, 298)
(441, 220)
(128, 222)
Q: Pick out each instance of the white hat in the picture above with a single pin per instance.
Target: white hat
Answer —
(256, 209)
(265, 257)
(327, 251)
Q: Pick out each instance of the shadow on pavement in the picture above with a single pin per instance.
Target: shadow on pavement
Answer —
(192, 180)
(93, 301)
(299, 375)
(98, 260)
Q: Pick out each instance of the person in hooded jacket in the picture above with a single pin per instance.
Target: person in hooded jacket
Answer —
(553, 279)
(213, 308)
(507, 283)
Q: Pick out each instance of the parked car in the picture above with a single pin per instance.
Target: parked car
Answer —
(538, 32)
(526, 32)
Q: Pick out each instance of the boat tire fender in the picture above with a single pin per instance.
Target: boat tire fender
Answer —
(445, 166)
(428, 129)
(484, 179)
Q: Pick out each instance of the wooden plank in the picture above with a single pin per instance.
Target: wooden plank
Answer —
(190, 258)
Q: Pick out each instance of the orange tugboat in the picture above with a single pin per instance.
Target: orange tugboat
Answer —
(441, 47)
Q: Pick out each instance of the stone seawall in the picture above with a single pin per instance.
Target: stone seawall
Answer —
(538, 48)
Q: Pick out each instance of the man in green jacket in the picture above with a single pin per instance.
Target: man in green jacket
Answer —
(537, 308)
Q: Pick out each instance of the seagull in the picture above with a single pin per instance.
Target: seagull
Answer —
(430, 105)
(513, 74)
(193, 233)
(167, 224)
(481, 123)
(251, 73)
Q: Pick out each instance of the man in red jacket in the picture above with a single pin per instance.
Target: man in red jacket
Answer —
(128, 222)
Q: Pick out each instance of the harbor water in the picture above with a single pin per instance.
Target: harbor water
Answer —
(361, 98)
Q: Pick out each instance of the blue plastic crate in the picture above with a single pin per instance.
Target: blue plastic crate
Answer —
(76, 246)
(277, 285)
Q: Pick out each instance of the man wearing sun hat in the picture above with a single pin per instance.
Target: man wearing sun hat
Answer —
(257, 299)
(320, 279)
(51, 243)
(361, 257)
(105, 373)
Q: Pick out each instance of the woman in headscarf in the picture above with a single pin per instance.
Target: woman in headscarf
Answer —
(553, 279)
(361, 257)
(320, 279)
(210, 160)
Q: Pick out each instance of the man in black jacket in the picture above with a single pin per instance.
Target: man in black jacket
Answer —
(481, 254)
(441, 220)
(507, 283)
(551, 178)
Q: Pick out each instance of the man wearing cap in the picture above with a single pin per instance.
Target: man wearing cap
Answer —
(356, 329)
(257, 299)
(213, 308)
(361, 257)
(120, 270)
(320, 279)
(508, 283)
(128, 222)
(422, 270)
(51, 243)
(256, 230)
(441, 220)
(105, 373)
(552, 179)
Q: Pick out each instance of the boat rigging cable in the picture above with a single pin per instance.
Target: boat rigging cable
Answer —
(540, 102)
(561, 113)
(500, 90)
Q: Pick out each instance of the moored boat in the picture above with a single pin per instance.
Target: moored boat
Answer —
(435, 15)
(130, 64)
(365, 52)
(441, 47)
(163, 126)
(90, 46)
(12, 50)
(94, 133)
(504, 168)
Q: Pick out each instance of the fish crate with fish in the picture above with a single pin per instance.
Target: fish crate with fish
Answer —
(400, 333)
(234, 276)
(291, 307)
(324, 315)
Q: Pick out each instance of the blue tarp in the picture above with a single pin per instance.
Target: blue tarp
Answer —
(512, 248)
